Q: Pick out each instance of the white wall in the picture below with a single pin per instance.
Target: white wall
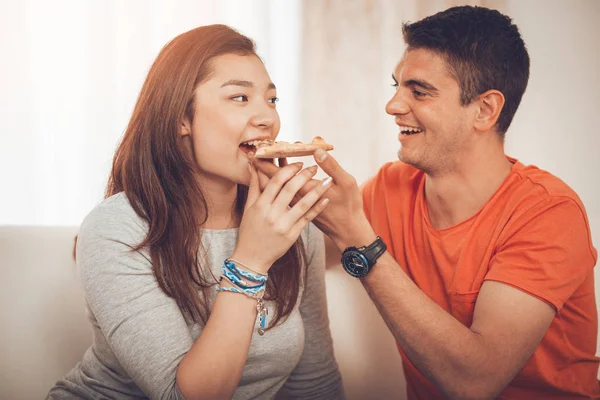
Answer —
(70, 74)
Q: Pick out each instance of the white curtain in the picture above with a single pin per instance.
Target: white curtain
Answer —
(69, 77)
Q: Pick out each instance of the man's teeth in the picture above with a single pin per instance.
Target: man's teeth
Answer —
(408, 130)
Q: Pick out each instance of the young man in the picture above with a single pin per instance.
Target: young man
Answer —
(487, 283)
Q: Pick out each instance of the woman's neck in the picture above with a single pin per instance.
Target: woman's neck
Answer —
(221, 199)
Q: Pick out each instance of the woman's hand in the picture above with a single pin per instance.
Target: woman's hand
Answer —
(269, 226)
(344, 221)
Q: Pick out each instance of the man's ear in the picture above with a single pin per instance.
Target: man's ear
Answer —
(490, 106)
(185, 128)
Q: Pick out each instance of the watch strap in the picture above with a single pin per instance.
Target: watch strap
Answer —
(373, 251)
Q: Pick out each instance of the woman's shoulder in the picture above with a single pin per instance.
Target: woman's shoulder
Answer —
(114, 217)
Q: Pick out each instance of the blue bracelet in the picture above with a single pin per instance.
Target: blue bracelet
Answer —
(237, 281)
(248, 275)
(241, 285)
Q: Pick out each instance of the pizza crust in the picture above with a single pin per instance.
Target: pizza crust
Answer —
(285, 149)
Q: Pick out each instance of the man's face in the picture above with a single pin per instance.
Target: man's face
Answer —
(435, 129)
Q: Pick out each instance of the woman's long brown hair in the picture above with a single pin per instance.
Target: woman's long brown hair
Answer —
(158, 173)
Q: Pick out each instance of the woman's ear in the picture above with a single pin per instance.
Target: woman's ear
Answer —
(490, 106)
(186, 128)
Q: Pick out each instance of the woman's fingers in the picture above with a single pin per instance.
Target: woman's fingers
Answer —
(291, 188)
(304, 208)
(253, 186)
(309, 216)
(278, 180)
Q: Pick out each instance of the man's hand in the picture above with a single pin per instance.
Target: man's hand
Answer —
(343, 220)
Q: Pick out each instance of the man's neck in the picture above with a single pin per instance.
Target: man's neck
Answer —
(457, 195)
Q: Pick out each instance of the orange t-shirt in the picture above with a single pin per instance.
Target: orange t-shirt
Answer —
(533, 234)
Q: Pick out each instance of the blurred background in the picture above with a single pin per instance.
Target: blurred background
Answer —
(71, 70)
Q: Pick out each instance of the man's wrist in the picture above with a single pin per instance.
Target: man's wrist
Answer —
(358, 236)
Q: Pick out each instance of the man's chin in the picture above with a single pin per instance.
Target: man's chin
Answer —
(407, 159)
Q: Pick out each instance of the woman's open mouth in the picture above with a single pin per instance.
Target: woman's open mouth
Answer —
(253, 145)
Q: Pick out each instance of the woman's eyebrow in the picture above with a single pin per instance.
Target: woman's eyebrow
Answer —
(248, 84)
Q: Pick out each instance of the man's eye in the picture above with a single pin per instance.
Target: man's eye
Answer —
(418, 94)
(395, 85)
(273, 100)
(240, 98)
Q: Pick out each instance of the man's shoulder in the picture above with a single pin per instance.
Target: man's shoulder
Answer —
(546, 184)
(395, 175)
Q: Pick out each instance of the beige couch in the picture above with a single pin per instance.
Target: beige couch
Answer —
(45, 332)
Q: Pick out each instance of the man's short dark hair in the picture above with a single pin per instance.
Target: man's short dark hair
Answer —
(483, 49)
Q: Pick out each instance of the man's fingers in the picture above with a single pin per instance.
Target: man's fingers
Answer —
(332, 168)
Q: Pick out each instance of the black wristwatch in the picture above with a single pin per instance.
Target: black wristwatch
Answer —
(359, 261)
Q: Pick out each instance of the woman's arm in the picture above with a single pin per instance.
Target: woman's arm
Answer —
(145, 328)
(316, 376)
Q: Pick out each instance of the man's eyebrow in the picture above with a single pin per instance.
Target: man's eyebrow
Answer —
(421, 83)
(248, 84)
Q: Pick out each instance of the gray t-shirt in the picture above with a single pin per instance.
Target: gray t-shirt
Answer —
(140, 335)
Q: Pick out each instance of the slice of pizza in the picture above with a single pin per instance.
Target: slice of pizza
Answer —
(271, 149)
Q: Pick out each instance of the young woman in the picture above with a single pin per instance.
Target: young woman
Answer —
(199, 285)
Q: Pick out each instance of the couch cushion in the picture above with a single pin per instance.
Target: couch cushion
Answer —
(44, 328)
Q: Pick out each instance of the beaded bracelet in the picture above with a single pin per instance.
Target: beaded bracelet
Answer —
(242, 284)
(230, 264)
(235, 276)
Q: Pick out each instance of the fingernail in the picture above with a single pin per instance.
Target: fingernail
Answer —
(324, 202)
(313, 168)
(298, 164)
(327, 181)
(320, 155)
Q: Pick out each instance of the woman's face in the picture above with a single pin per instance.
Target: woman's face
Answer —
(235, 104)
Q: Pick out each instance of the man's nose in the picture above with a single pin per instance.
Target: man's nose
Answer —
(397, 105)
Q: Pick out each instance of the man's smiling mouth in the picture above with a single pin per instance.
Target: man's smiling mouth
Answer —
(409, 130)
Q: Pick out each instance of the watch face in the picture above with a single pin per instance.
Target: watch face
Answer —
(355, 263)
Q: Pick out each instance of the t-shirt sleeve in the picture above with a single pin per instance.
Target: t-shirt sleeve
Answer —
(366, 190)
(143, 326)
(316, 376)
(547, 251)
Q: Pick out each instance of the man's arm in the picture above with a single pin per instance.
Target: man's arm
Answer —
(463, 363)
(466, 363)
(476, 362)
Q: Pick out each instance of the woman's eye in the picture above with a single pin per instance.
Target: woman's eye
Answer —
(240, 98)
(273, 100)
